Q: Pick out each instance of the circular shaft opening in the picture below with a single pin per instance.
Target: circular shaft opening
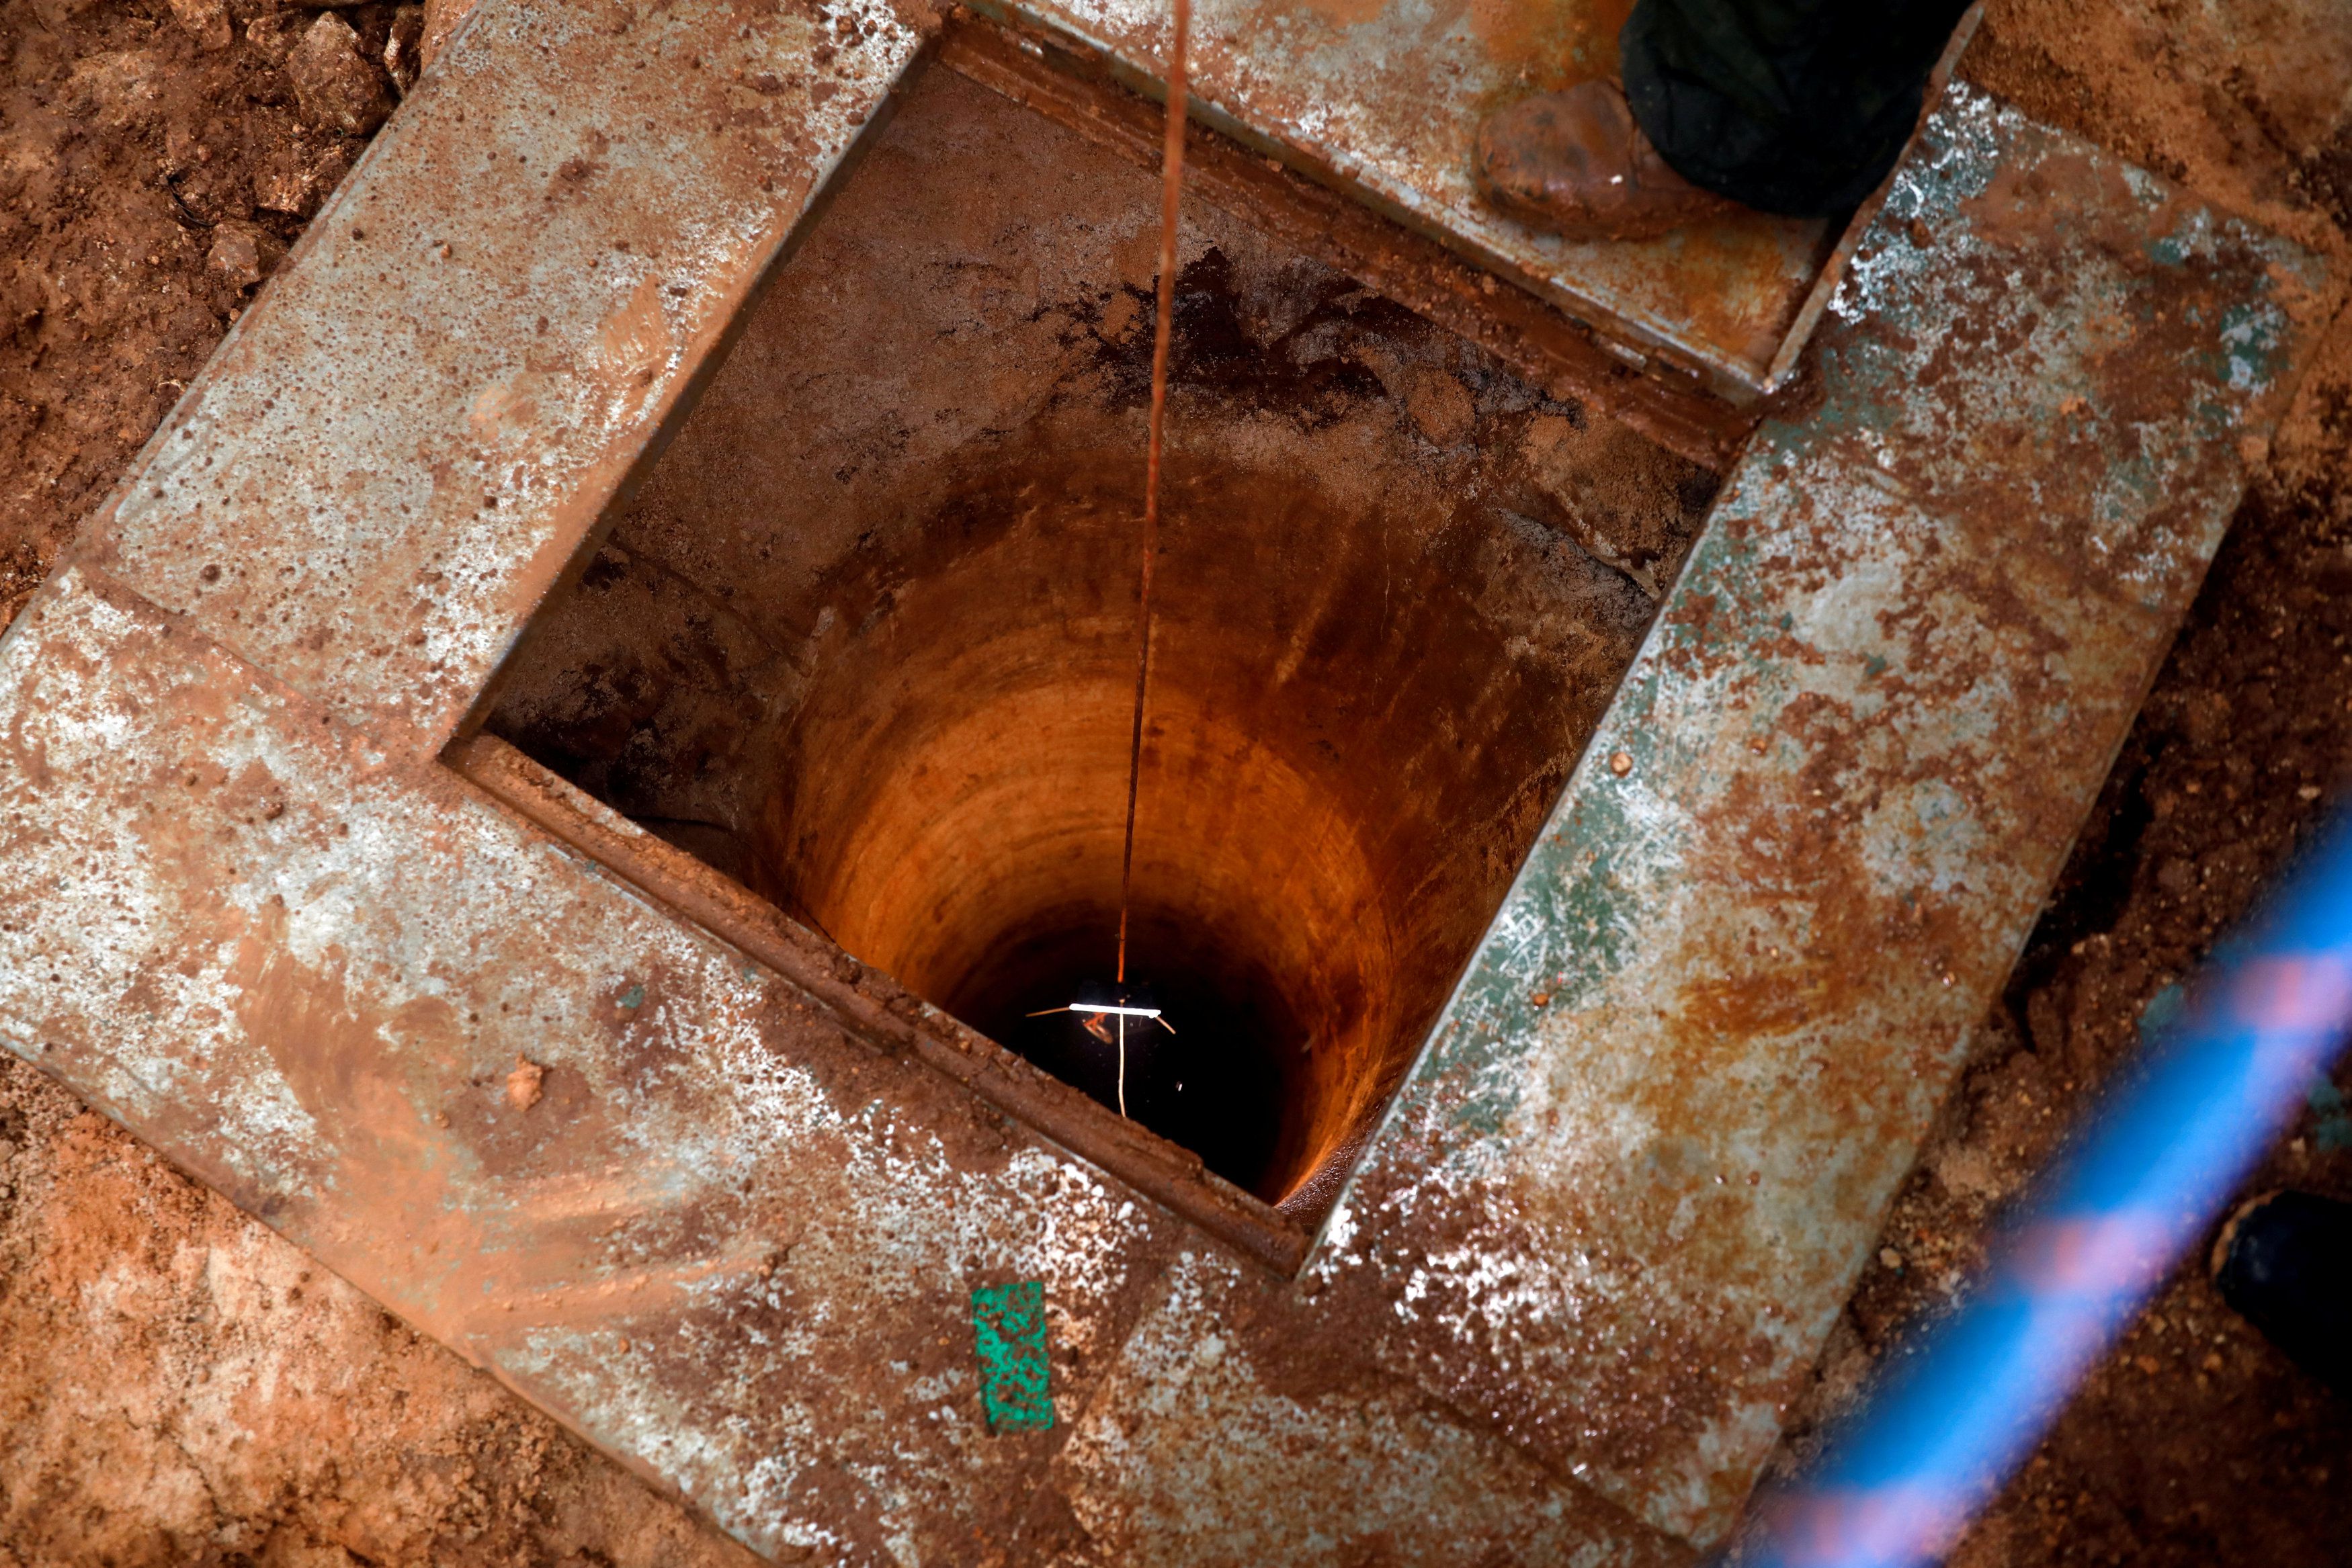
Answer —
(866, 639)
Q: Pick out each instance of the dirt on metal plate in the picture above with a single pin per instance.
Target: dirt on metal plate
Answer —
(1381, 99)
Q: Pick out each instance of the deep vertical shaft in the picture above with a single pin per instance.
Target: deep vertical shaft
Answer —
(1172, 187)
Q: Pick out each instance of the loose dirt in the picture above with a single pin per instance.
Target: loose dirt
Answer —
(179, 1385)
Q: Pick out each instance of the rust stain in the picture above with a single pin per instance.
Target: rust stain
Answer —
(1380, 100)
(1342, 13)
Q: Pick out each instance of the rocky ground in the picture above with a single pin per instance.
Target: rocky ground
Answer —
(179, 1385)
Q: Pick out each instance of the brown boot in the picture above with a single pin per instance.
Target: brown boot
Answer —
(1575, 162)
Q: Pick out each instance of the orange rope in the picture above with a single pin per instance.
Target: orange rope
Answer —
(1172, 186)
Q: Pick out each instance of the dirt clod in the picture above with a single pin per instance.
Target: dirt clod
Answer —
(243, 254)
(274, 35)
(524, 1084)
(336, 85)
(205, 20)
(403, 45)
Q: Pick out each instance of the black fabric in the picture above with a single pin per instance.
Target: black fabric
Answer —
(2289, 1272)
(1790, 105)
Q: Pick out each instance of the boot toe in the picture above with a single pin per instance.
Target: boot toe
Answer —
(1568, 161)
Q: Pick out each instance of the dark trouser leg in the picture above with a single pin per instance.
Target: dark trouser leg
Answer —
(1790, 105)
(2287, 1267)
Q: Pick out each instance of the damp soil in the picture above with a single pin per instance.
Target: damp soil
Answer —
(177, 1384)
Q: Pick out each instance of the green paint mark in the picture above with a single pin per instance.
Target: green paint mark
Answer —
(633, 997)
(1008, 1327)
(1873, 666)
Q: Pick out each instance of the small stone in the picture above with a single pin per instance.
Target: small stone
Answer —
(292, 182)
(402, 48)
(337, 87)
(1889, 1258)
(7, 1150)
(1967, 1173)
(207, 21)
(119, 90)
(274, 36)
(243, 254)
(524, 1083)
(1621, 763)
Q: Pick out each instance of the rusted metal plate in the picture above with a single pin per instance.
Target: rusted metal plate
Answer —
(482, 333)
(671, 1198)
(1619, 1205)
(882, 1011)
(1231, 1433)
(1380, 97)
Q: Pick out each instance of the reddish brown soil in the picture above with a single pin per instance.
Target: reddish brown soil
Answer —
(179, 1385)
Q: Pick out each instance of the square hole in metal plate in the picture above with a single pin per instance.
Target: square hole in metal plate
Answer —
(864, 640)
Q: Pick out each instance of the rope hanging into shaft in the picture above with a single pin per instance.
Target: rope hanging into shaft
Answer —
(1172, 186)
